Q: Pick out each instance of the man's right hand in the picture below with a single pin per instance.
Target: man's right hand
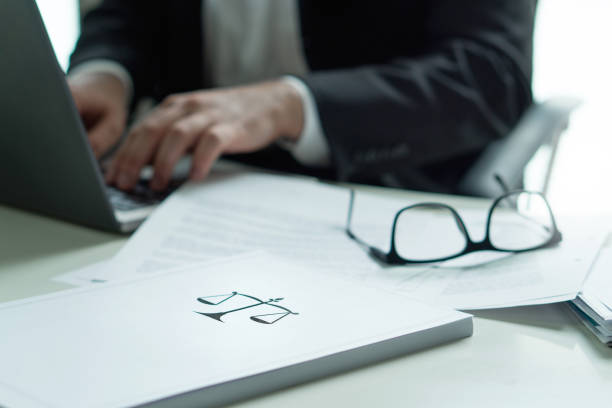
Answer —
(101, 100)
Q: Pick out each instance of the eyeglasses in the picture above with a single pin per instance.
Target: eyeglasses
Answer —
(518, 221)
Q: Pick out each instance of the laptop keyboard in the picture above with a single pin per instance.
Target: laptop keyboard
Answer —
(140, 196)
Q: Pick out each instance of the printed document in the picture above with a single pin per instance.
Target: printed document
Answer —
(303, 221)
(598, 287)
(595, 300)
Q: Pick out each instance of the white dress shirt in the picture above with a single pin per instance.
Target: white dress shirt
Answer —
(246, 41)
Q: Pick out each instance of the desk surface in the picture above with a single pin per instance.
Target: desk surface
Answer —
(528, 356)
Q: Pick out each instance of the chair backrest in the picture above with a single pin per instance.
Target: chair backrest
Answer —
(541, 124)
(86, 5)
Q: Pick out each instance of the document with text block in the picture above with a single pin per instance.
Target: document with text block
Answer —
(303, 221)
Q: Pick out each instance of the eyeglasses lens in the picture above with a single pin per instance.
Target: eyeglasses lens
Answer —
(521, 221)
(428, 232)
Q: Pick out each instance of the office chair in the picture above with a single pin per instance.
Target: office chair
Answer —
(543, 123)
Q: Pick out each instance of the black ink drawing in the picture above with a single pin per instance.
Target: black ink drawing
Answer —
(266, 318)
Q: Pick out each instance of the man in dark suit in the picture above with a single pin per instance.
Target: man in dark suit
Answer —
(404, 93)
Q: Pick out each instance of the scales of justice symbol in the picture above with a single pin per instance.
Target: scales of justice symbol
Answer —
(266, 318)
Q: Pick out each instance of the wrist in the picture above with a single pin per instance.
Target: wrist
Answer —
(108, 67)
(290, 112)
(103, 82)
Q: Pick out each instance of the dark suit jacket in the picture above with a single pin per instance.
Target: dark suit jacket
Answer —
(409, 92)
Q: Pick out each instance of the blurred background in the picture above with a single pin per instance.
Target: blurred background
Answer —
(572, 57)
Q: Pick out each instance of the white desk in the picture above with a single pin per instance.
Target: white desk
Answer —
(530, 356)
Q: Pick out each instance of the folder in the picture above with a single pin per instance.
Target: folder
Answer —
(593, 306)
(205, 335)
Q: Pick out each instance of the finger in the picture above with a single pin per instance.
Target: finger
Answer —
(105, 133)
(77, 99)
(140, 146)
(113, 168)
(210, 146)
(103, 126)
(180, 137)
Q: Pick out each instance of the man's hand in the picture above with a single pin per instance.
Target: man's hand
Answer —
(101, 102)
(207, 123)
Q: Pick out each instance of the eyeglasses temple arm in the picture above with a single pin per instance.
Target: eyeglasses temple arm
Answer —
(501, 183)
(375, 252)
(349, 216)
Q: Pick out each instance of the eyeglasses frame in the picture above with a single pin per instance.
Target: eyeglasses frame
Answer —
(393, 258)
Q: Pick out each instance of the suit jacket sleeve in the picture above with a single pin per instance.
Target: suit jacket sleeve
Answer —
(129, 32)
(389, 122)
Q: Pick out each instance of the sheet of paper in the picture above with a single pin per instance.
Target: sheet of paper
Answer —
(298, 219)
(303, 221)
(133, 341)
(86, 275)
(492, 280)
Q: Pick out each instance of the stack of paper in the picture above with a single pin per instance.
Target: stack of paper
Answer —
(302, 221)
(206, 335)
(594, 304)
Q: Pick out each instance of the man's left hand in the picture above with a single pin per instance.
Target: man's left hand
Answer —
(207, 123)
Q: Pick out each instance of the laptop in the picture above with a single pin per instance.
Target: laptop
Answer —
(46, 163)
